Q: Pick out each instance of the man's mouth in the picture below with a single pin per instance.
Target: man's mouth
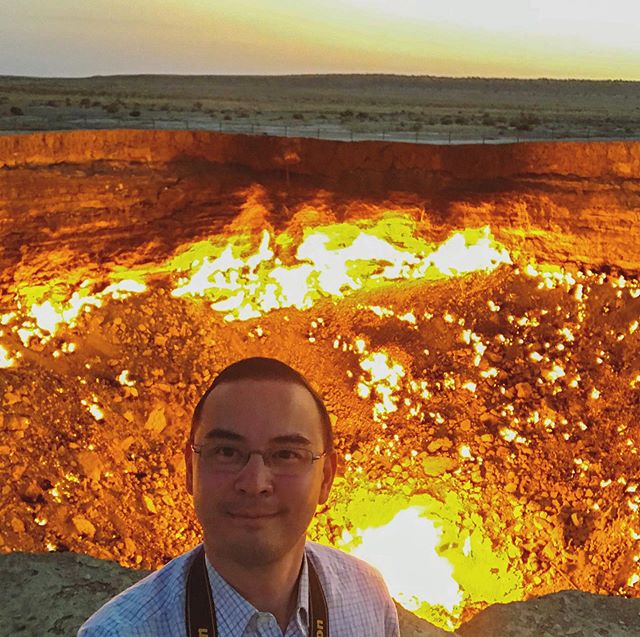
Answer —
(252, 515)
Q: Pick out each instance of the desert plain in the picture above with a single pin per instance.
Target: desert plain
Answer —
(345, 107)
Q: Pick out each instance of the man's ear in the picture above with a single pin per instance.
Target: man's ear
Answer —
(188, 460)
(328, 474)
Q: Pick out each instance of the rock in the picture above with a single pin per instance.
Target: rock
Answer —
(437, 465)
(90, 465)
(83, 526)
(130, 546)
(17, 525)
(439, 443)
(148, 504)
(569, 613)
(156, 421)
(413, 626)
(14, 422)
(11, 398)
(60, 590)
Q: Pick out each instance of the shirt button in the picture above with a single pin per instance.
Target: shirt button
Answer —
(264, 619)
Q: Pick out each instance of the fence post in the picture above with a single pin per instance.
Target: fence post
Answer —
(449, 136)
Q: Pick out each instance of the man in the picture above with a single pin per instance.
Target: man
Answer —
(259, 460)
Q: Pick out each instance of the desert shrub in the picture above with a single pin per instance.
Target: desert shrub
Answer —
(96, 103)
(134, 113)
(361, 115)
(525, 121)
(487, 120)
(446, 119)
(52, 103)
(197, 106)
(298, 116)
(227, 117)
(16, 110)
(347, 113)
(461, 119)
(85, 102)
(68, 101)
(114, 107)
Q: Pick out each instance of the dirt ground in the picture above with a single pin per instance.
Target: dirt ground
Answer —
(405, 108)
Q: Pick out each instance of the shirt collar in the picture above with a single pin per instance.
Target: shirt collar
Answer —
(226, 597)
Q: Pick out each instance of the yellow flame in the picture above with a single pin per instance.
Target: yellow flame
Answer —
(434, 553)
(411, 576)
(5, 359)
(51, 313)
(384, 377)
(244, 282)
(332, 261)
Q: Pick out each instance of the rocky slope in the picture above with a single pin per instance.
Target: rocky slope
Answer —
(54, 594)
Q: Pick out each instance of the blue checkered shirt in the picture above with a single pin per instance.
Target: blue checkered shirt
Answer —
(357, 597)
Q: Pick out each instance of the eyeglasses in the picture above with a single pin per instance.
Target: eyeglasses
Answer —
(282, 461)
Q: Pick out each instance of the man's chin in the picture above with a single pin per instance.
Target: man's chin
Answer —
(254, 553)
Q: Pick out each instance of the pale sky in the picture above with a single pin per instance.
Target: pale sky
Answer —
(594, 39)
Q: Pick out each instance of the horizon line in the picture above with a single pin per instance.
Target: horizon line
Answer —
(312, 75)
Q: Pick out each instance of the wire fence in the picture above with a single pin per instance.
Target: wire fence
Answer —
(422, 135)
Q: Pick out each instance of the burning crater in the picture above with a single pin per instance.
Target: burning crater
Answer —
(471, 315)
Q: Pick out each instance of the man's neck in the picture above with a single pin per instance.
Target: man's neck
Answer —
(269, 588)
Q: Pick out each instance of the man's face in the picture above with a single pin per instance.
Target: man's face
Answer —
(251, 516)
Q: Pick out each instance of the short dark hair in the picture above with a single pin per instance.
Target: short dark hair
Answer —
(260, 368)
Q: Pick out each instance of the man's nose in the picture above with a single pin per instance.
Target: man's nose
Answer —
(255, 477)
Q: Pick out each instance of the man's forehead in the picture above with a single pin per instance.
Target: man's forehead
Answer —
(273, 402)
(278, 392)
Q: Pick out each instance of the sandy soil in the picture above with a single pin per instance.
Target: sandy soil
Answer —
(422, 109)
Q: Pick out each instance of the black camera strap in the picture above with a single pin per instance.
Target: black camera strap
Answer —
(200, 612)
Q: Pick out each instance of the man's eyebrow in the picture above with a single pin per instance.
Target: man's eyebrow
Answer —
(295, 439)
(223, 433)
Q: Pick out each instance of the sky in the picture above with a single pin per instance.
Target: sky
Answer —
(591, 39)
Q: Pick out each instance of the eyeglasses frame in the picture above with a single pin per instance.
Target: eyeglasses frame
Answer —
(198, 448)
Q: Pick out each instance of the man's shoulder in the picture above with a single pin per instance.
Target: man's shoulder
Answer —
(358, 597)
(338, 563)
(152, 601)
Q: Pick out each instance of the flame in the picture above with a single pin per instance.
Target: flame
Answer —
(411, 576)
(384, 381)
(5, 359)
(243, 283)
(332, 261)
(433, 553)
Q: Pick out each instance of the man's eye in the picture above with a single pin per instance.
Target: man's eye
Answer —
(226, 451)
(288, 455)
(222, 453)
